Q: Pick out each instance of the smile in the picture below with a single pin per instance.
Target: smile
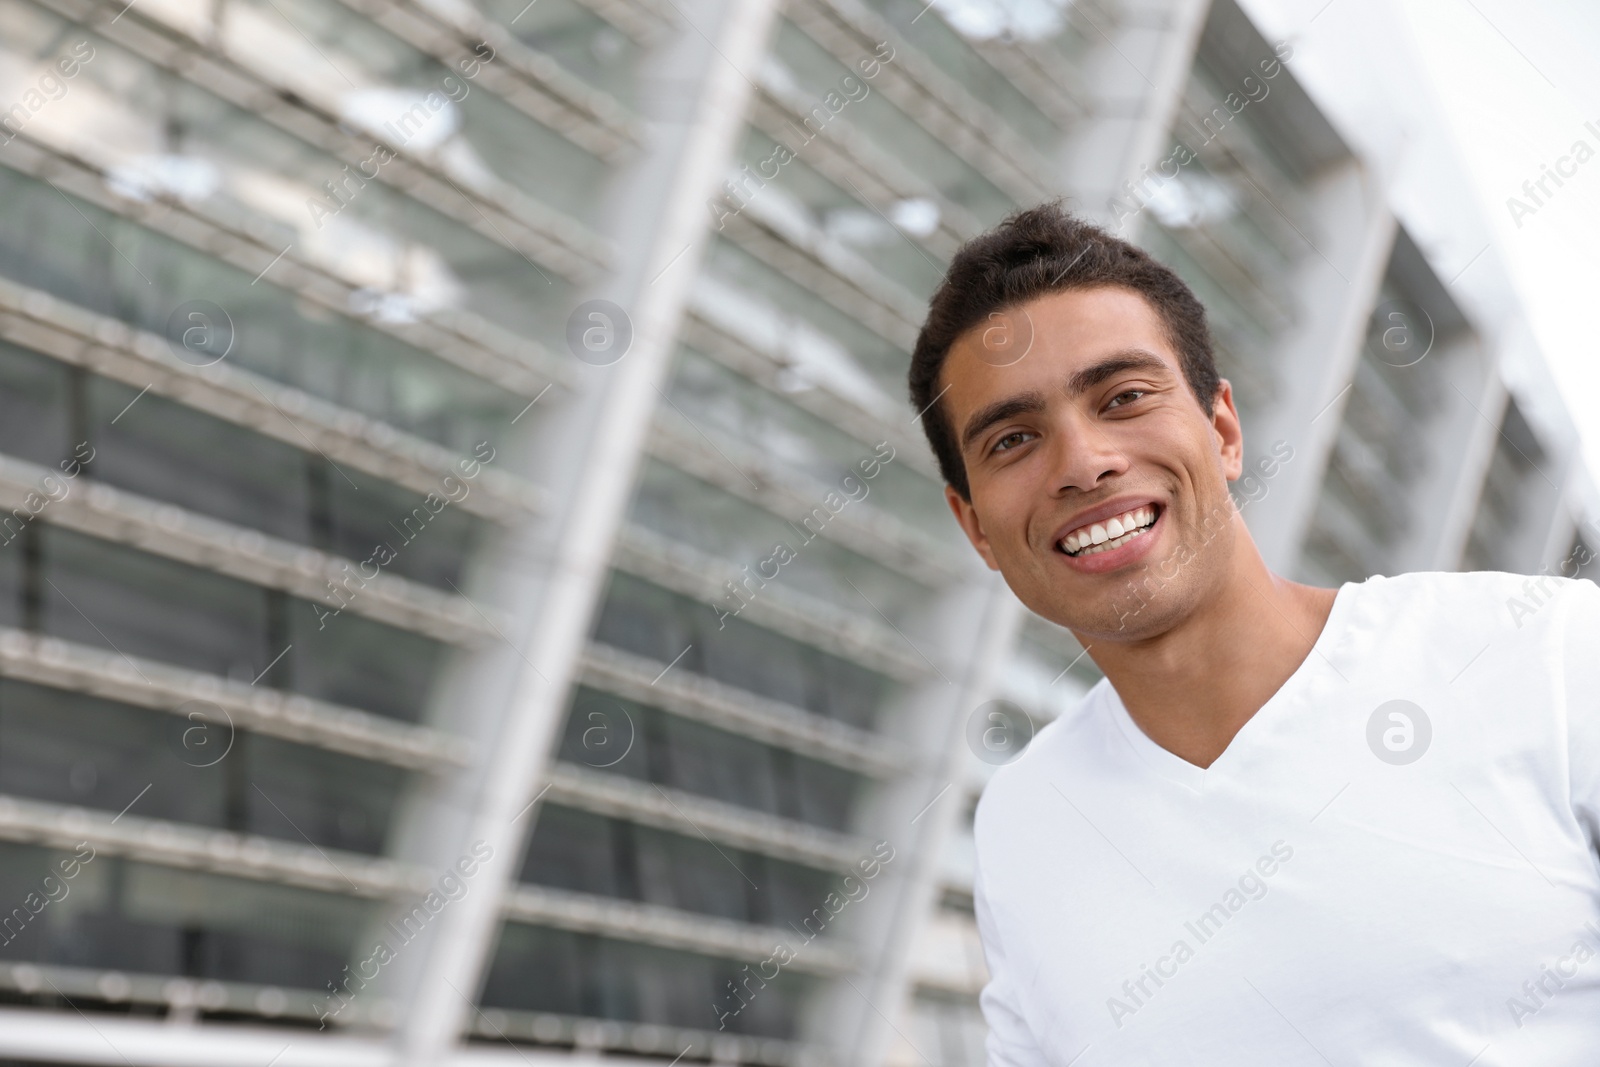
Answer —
(1112, 533)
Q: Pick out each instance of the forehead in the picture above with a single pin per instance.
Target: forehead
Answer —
(1039, 344)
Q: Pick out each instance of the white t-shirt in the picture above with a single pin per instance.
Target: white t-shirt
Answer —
(1352, 882)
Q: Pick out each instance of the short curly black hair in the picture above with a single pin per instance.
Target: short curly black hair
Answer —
(1034, 253)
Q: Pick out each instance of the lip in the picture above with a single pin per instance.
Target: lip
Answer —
(1115, 558)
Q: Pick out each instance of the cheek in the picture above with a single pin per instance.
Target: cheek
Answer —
(1191, 436)
(1003, 528)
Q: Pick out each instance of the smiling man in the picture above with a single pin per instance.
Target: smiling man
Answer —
(1291, 825)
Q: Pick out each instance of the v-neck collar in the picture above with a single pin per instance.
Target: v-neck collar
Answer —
(1175, 768)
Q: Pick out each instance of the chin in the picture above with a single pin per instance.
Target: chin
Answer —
(1135, 609)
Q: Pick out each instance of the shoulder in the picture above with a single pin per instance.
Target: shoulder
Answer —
(1432, 590)
(1436, 621)
(1574, 616)
(1446, 601)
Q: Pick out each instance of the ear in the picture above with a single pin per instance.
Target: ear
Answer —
(1229, 432)
(967, 516)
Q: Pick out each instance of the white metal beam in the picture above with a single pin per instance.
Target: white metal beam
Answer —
(591, 446)
(1337, 279)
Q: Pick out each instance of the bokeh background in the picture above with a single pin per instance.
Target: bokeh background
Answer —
(472, 589)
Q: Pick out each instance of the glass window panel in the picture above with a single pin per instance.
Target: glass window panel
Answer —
(18, 544)
(682, 872)
(822, 794)
(44, 243)
(310, 794)
(1243, 345)
(625, 737)
(1060, 29)
(529, 155)
(885, 361)
(36, 417)
(361, 72)
(578, 39)
(1494, 523)
(840, 213)
(431, 548)
(1584, 560)
(819, 73)
(575, 850)
(1209, 86)
(361, 663)
(139, 123)
(609, 857)
(123, 915)
(112, 596)
(538, 969)
(1379, 455)
(955, 56)
(168, 451)
(650, 621)
(687, 510)
(72, 748)
(746, 419)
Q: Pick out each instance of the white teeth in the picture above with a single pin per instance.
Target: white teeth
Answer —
(1114, 533)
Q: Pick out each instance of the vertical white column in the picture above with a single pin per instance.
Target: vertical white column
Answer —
(589, 448)
(1137, 77)
(1547, 525)
(1459, 448)
(968, 635)
(1337, 281)
(1563, 528)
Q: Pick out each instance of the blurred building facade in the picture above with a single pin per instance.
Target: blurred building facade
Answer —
(471, 587)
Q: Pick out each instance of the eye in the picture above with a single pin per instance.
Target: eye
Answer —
(1125, 397)
(1011, 440)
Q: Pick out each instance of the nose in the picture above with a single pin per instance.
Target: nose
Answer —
(1083, 455)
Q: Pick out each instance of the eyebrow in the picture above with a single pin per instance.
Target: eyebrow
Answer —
(1033, 401)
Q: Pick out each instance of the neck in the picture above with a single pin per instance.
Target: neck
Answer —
(1192, 687)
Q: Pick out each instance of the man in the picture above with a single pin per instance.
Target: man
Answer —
(1292, 825)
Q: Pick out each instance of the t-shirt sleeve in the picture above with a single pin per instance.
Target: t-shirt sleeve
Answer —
(1581, 662)
(1010, 1043)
